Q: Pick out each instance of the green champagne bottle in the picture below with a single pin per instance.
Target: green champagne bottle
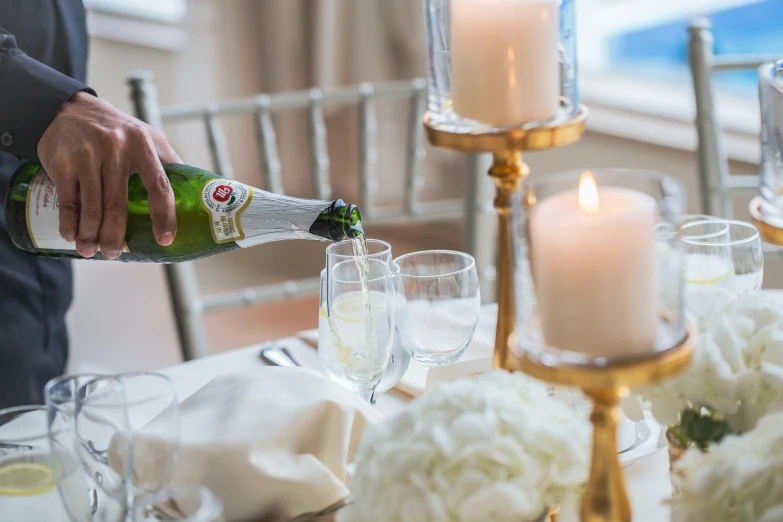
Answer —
(214, 215)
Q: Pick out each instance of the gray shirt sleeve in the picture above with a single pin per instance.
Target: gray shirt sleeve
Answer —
(31, 93)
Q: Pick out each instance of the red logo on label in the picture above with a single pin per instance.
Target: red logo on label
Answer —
(222, 193)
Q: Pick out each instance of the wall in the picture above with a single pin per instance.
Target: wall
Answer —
(121, 318)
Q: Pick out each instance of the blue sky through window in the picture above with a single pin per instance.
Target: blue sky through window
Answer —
(661, 51)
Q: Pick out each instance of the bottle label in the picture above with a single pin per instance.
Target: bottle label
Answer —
(225, 200)
(43, 215)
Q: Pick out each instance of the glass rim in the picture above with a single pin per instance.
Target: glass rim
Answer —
(598, 172)
(702, 239)
(120, 379)
(52, 383)
(324, 272)
(27, 408)
(455, 253)
(333, 246)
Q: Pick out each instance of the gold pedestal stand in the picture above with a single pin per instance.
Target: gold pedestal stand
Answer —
(769, 233)
(507, 172)
(605, 499)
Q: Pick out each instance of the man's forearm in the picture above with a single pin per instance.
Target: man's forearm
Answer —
(31, 93)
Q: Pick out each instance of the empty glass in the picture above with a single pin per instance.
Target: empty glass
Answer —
(438, 304)
(361, 320)
(30, 473)
(180, 503)
(104, 489)
(136, 410)
(399, 359)
(722, 255)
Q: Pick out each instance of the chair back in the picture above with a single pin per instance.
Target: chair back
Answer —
(188, 304)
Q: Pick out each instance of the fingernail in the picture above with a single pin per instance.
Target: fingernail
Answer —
(87, 252)
(111, 254)
(166, 239)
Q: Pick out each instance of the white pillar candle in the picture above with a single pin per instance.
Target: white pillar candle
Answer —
(594, 269)
(504, 60)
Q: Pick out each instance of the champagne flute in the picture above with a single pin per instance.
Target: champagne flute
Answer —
(438, 304)
(399, 359)
(30, 472)
(360, 309)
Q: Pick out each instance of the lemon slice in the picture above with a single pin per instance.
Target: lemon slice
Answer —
(349, 308)
(26, 478)
(705, 269)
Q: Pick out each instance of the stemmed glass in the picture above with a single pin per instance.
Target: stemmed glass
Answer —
(722, 254)
(128, 431)
(399, 359)
(30, 473)
(438, 304)
(104, 487)
(361, 320)
(181, 503)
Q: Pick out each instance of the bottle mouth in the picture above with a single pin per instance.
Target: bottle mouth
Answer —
(355, 223)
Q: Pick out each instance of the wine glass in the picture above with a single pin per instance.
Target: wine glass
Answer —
(360, 310)
(399, 359)
(438, 304)
(30, 472)
(723, 255)
(107, 500)
(131, 410)
(183, 503)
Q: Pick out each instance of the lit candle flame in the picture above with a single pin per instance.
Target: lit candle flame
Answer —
(588, 193)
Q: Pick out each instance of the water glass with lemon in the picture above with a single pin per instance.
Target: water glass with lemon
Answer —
(30, 472)
(722, 255)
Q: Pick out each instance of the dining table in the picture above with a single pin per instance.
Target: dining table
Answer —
(647, 478)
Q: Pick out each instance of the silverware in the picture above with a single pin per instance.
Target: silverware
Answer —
(277, 355)
(10, 445)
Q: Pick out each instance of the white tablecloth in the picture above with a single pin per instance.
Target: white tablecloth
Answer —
(647, 479)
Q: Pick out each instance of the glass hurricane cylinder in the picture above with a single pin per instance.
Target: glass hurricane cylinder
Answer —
(497, 64)
(598, 266)
(600, 300)
(771, 99)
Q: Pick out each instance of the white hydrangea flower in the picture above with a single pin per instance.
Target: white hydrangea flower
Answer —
(740, 479)
(737, 367)
(492, 449)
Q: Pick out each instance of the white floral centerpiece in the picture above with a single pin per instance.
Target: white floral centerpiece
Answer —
(492, 449)
(738, 480)
(736, 375)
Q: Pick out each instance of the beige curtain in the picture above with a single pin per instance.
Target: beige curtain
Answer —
(326, 43)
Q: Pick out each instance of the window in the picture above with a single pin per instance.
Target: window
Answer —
(634, 74)
(161, 11)
(648, 39)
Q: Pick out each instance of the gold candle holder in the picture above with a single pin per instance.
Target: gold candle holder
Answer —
(768, 232)
(507, 171)
(605, 499)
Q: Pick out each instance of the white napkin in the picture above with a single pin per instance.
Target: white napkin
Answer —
(271, 444)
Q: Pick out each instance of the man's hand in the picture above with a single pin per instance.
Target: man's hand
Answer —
(90, 151)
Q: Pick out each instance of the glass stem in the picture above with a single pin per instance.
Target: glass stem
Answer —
(367, 395)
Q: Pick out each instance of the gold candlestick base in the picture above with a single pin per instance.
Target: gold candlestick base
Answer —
(507, 171)
(768, 232)
(605, 499)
